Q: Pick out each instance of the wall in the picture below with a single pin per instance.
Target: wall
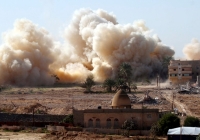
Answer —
(116, 131)
(78, 117)
(28, 118)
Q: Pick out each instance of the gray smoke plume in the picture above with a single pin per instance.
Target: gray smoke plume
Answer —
(95, 43)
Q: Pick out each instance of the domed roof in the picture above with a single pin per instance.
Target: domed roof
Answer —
(121, 99)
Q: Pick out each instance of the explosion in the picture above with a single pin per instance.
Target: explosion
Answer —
(95, 43)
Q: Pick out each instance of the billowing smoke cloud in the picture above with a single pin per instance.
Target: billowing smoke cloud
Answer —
(192, 50)
(26, 55)
(95, 43)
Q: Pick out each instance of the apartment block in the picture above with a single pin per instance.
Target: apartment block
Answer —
(182, 71)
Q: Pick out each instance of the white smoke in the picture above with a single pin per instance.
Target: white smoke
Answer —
(95, 43)
(192, 50)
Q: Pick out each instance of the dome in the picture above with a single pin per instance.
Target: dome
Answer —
(121, 100)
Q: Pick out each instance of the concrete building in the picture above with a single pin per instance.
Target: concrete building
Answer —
(115, 117)
(182, 71)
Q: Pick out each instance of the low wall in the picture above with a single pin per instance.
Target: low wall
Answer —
(62, 128)
(117, 131)
(29, 119)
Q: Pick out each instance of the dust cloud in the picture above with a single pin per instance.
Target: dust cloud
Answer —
(95, 43)
(192, 50)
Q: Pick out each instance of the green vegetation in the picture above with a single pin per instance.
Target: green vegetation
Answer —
(191, 122)
(167, 122)
(89, 82)
(123, 79)
(125, 75)
(127, 126)
(68, 119)
(108, 84)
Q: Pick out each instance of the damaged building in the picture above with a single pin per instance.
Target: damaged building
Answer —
(182, 71)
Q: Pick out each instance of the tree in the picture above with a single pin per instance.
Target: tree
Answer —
(108, 84)
(155, 129)
(89, 82)
(125, 75)
(128, 125)
(191, 121)
(167, 122)
(68, 119)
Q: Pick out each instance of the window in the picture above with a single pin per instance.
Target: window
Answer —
(116, 123)
(197, 73)
(175, 75)
(174, 69)
(108, 123)
(98, 124)
(183, 69)
(90, 123)
(149, 116)
(186, 74)
(179, 63)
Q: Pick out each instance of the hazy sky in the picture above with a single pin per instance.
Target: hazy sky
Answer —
(176, 22)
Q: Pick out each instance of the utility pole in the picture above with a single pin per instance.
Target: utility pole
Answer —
(173, 96)
(33, 117)
(158, 83)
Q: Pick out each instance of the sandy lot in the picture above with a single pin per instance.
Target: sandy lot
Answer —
(61, 100)
(21, 136)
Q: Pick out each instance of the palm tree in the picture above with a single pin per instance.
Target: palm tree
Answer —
(125, 74)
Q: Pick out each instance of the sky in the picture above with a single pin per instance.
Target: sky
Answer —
(175, 22)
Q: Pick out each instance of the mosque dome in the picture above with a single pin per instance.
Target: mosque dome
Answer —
(121, 100)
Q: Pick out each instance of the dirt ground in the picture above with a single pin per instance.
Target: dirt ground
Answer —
(21, 136)
(61, 100)
(70, 136)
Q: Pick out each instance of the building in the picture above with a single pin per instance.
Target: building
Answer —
(182, 71)
(114, 118)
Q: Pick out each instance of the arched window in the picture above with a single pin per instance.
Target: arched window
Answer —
(116, 123)
(90, 123)
(98, 124)
(108, 123)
